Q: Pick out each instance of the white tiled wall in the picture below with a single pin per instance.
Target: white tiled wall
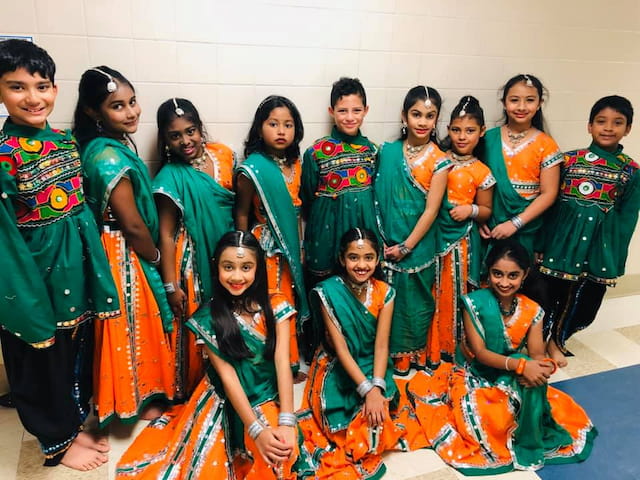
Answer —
(228, 55)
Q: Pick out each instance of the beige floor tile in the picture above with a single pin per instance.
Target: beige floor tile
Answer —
(616, 313)
(404, 465)
(442, 474)
(612, 346)
(30, 467)
(519, 475)
(632, 333)
(120, 437)
(585, 360)
(10, 443)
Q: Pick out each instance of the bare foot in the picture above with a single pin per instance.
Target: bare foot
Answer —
(99, 444)
(300, 377)
(83, 458)
(152, 412)
(556, 354)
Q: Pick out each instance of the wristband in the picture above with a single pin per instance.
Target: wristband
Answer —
(517, 222)
(522, 363)
(287, 419)
(379, 382)
(156, 261)
(365, 387)
(506, 364)
(553, 363)
(169, 287)
(475, 210)
(255, 429)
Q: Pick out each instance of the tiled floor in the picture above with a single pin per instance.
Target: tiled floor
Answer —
(613, 341)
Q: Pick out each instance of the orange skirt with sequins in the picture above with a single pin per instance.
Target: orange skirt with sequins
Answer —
(133, 362)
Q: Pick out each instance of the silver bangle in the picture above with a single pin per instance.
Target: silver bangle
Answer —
(169, 287)
(404, 250)
(156, 261)
(287, 419)
(379, 382)
(365, 387)
(506, 364)
(475, 210)
(255, 429)
(517, 222)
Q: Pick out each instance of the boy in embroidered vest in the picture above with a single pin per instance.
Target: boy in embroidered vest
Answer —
(56, 277)
(589, 228)
(336, 180)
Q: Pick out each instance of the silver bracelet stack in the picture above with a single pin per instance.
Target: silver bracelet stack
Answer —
(475, 210)
(169, 287)
(404, 250)
(287, 419)
(379, 382)
(255, 429)
(517, 222)
(365, 387)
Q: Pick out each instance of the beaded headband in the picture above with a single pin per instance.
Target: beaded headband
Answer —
(179, 111)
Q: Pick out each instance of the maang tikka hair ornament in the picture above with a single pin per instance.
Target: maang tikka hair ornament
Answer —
(360, 241)
(111, 84)
(179, 111)
(463, 111)
(240, 251)
(528, 82)
(427, 102)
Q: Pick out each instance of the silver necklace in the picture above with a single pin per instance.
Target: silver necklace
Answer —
(413, 150)
(200, 163)
(516, 138)
(460, 159)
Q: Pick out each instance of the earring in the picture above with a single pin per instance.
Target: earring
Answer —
(403, 130)
(167, 153)
(99, 126)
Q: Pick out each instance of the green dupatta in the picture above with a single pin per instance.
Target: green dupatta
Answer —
(400, 201)
(450, 232)
(358, 327)
(282, 218)
(507, 203)
(207, 213)
(105, 162)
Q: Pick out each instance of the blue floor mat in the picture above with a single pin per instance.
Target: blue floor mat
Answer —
(612, 401)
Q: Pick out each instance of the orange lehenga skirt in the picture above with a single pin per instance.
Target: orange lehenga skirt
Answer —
(133, 362)
(446, 327)
(470, 422)
(189, 361)
(354, 452)
(190, 442)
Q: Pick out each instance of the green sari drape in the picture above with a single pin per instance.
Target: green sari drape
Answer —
(105, 162)
(358, 327)
(507, 203)
(536, 432)
(206, 209)
(282, 218)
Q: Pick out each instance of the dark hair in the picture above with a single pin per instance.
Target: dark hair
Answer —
(530, 80)
(419, 94)
(615, 102)
(16, 53)
(353, 235)
(167, 114)
(511, 249)
(92, 92)
(255, 142)
(224, 323)
(472, 109)
(347, 86)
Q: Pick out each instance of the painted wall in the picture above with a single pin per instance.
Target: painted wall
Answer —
(226, 56)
